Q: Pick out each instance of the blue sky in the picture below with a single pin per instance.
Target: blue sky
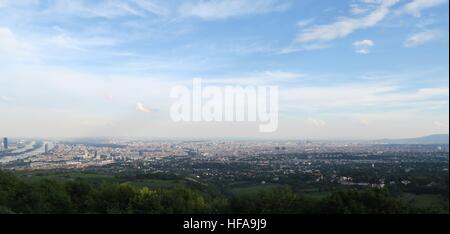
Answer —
(354, 69)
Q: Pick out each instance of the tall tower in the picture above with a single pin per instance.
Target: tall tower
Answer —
(5, 143)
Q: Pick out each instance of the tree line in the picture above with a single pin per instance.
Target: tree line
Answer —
(85, 196)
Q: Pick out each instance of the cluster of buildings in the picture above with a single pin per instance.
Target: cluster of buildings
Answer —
(260, 153)
(5, 143)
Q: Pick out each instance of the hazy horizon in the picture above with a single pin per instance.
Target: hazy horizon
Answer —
(143, 138)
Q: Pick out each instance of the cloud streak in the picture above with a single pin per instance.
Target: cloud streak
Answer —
(140, 107)
(12, 48)
(362, 97)
(415, 7)
(345, 26)
(215, 10)
(317, 122)
(421, 38)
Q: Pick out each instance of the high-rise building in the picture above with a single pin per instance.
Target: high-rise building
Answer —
(46, 148)
(5, 143)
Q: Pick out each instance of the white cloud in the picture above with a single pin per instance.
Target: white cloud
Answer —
(5, 98)
(13, 49)
(255, 78)
(204, 9)
(363, 47)
(421, 38)
(362, 96)
(13, 3)
(304, 23)
(66, 41)
(107, 8)
(140, 107)
(317, 122)
(428, 92)
(364, 121)
(441, 125)
(416, 6)
(282, 75)
(213, 9)
(345, 26)
(426, 22)
(152, 7)
(357, 9)
(306, 47)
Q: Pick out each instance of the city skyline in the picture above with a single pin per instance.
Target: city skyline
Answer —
(359, 69)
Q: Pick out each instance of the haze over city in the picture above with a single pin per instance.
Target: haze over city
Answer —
(357, 69)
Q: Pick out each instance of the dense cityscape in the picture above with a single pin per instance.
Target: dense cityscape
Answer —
(411, 172)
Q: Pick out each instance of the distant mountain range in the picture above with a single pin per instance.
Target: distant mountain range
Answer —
(430, 139)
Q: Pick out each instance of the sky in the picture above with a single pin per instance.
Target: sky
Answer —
(348, 69)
